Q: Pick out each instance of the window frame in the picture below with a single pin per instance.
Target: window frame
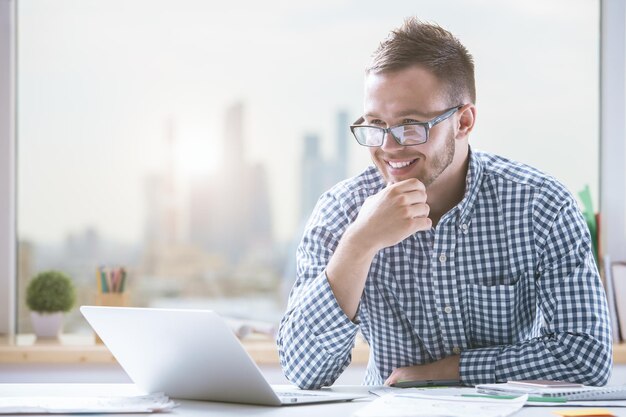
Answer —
(612, 108)
(8, 226)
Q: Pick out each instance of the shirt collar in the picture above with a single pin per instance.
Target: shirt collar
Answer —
(472, 185)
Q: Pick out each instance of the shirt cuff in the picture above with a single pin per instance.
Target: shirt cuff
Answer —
(325, 318)
(478, 366)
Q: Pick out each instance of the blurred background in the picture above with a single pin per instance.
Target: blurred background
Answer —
(189, 140)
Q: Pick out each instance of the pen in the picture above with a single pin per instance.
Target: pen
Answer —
(123, 283)
(510, 397)
(424, 383)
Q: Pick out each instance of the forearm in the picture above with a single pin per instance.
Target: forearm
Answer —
(575, 357)
(568, 302)
(575, 343)
(347, 272)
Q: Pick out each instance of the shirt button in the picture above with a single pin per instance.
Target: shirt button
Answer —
(442, 258)
(456, 350)
(448, 309)
(464, 227)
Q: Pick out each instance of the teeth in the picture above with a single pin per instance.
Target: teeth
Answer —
(397, 165)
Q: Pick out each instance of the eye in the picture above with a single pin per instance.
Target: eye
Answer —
(405, 121)
(376, 122)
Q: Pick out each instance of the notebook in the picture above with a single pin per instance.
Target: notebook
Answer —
(568, 393)
(190, 354)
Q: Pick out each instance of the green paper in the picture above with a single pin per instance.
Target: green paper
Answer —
(590, 217)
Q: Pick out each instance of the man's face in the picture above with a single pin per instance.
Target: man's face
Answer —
(409, 95)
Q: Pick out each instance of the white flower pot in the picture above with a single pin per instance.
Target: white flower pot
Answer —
(47, 325)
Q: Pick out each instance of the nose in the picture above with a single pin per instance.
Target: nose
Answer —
(389, 142)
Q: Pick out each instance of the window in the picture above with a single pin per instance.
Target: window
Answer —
(187, 142)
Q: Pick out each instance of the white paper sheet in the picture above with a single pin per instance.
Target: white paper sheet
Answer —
(459, 391)
(86, 405)
(431, 391)
(422, 405)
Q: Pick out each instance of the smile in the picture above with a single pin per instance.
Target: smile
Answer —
(400, 164)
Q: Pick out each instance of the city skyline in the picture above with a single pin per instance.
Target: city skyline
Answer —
(97, 82)
(203, 245)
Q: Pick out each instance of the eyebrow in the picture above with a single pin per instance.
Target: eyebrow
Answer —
(416, 113)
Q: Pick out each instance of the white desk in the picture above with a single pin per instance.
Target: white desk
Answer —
(204, 408)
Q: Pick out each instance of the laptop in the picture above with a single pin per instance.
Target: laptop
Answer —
(190, 354)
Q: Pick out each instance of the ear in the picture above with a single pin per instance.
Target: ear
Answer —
(467, 119)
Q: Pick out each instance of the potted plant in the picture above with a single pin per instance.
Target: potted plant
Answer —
(49, 295)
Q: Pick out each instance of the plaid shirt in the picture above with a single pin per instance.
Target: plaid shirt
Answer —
(507, 279)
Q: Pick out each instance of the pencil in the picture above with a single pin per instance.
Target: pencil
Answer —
(98, 281)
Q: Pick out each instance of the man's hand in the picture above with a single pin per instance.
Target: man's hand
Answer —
(385, 219)
(447, 368)
(392, 215)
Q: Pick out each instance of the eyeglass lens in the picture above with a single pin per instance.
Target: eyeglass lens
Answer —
(404, 134)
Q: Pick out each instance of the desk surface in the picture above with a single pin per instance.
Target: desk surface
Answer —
(205, 408)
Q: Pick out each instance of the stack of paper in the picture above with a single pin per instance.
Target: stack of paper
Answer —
(582, 393)
(75, 405)
(418, 405)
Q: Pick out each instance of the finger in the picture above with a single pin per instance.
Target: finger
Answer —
(406, 194)
(418, 210)
(413, 211)
(405, 198)
(421, 223)
(408, 185)
(413, 197)
(390, 380)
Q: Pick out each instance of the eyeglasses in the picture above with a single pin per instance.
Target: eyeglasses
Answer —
(406, 134)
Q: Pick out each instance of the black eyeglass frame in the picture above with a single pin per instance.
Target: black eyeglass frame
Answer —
(384, 130)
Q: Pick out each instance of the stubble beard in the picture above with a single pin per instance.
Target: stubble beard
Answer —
(439, 163)
(434, 166)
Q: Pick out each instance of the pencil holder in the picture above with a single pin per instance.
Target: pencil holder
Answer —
(111, 299)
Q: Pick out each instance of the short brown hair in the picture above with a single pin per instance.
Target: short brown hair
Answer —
(432, 47)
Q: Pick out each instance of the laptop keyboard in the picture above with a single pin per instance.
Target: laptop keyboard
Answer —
(299, 394)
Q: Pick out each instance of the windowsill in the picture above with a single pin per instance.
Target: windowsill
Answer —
(75, 348)
(72, 348)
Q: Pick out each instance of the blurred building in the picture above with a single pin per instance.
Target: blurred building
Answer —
(228, 247)
(318, 174)
(229, 211)
(163, 214)
(342, 142)
(314, 175)
(170, 265)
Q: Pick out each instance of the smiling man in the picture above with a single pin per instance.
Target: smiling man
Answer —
(453, 263)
